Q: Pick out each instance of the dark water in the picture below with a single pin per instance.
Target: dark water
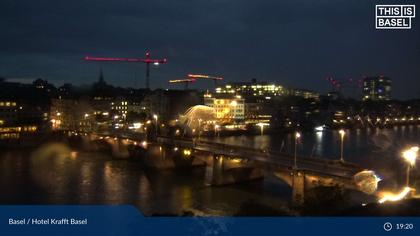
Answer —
(50, 175)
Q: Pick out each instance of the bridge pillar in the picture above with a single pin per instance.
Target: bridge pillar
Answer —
(298, 187)
(214, 171)
(222, 170)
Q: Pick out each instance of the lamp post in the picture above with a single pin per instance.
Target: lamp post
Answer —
(297, 136)
(156, 120)
(410, 156)
(342, 133)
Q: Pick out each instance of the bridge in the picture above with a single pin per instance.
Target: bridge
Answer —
(230, 164)
(227, 164)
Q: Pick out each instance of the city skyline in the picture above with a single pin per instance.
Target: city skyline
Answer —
(217, 108)
(295, 45)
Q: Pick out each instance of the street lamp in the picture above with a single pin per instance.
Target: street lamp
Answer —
(297, 136)
(156, 120)
(410, 156)
(342, 133)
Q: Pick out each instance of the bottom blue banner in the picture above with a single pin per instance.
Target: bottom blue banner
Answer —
(127, 220)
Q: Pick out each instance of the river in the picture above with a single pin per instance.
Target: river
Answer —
(46, 176)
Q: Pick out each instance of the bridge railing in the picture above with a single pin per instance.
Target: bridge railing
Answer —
(272, 154)
(252, 152)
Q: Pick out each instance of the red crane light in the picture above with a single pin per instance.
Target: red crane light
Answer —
(147, 60)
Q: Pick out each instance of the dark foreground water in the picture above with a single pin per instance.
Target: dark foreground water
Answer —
(50, 175)
(28, 177)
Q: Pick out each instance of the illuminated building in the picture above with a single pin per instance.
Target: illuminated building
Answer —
(70, 114)
(14, 132)
(261, 98)
(252, 89)
(23, 109)
(43, 85)
(258, 110)
(228, 108)
(377, 88)
(8, 112)
(120, 106)
(307, 94)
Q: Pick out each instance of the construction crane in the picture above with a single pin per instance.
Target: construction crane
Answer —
(184, 81)
(338, 85)
(335, 84)
(147, 60)
(198, 76)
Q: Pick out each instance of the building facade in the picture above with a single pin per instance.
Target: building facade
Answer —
(228, 108)
(252, 88)
(377, 88)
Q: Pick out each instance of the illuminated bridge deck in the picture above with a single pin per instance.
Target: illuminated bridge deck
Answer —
(269, 159)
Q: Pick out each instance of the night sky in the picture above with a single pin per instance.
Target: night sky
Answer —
(297, 43)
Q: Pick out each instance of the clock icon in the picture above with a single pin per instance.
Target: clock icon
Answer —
(387, 226)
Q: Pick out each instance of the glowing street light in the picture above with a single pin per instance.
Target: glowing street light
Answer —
(342, 133)
(297, 136)
(156, 126)
(410, 156)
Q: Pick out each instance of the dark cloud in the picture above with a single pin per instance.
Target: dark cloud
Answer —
(293, 42)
